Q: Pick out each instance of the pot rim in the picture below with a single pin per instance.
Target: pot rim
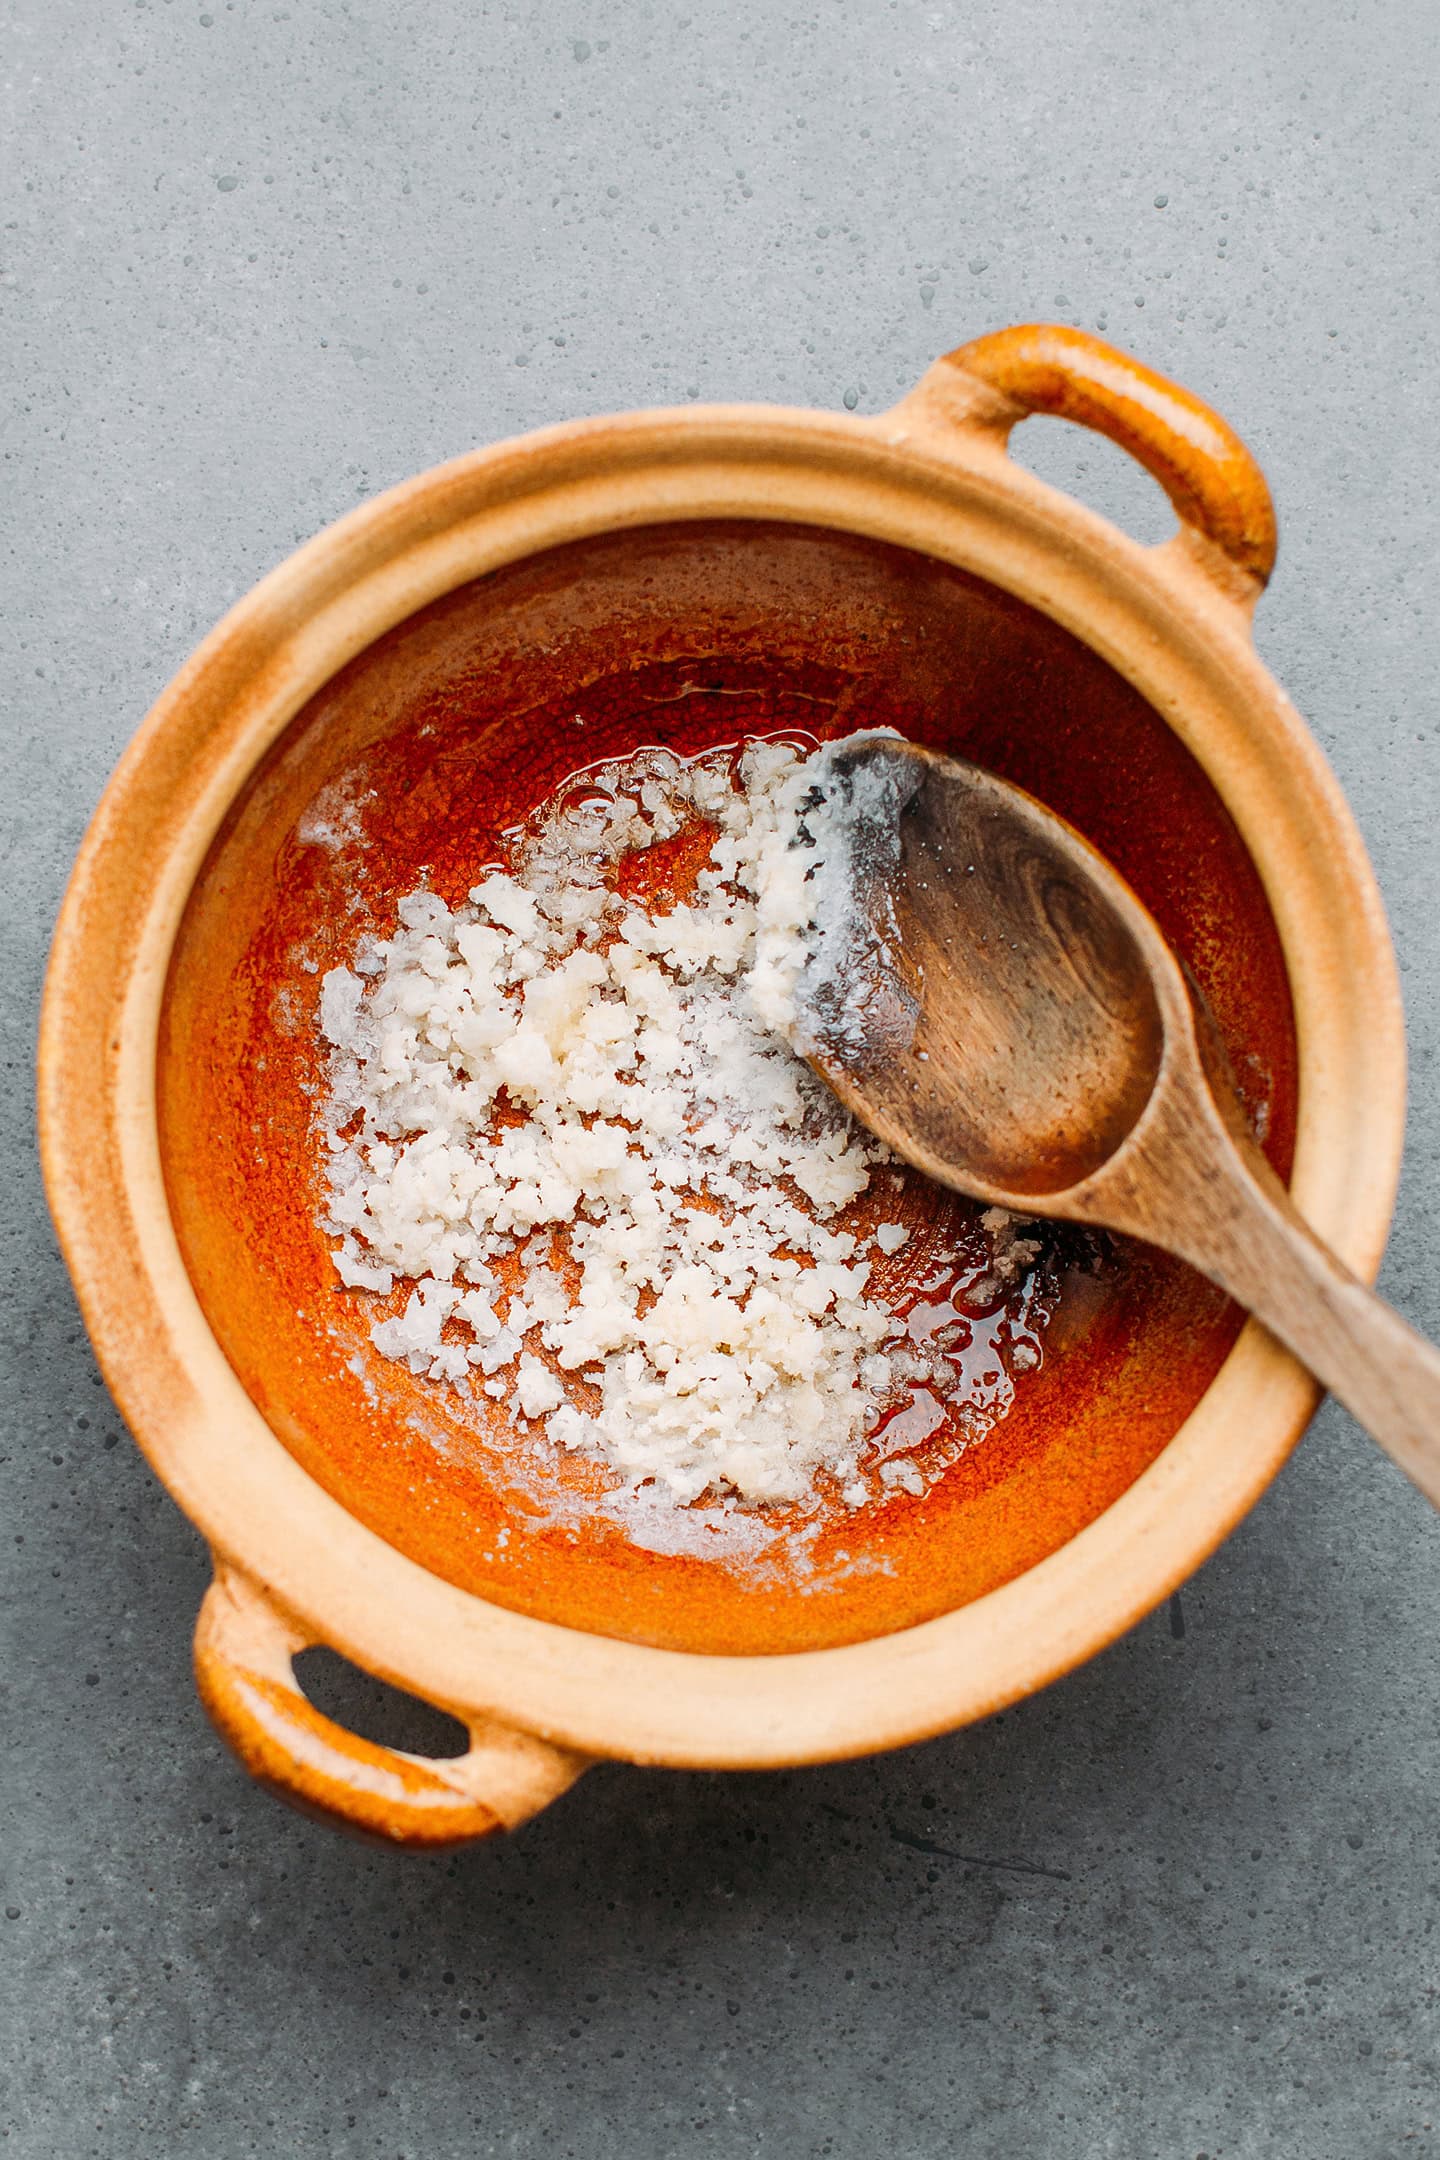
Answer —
(930, 476)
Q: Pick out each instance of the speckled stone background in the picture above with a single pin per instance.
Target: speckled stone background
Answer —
(259, 261)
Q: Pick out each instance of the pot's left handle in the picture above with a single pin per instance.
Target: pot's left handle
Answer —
(244, 1647)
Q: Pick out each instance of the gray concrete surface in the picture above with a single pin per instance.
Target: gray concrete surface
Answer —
(259, 260)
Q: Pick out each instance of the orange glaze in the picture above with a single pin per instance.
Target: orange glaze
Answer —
(443, 737)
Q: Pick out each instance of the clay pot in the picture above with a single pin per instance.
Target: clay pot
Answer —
(379, 708)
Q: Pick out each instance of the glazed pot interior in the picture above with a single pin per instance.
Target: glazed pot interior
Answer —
(407, 769)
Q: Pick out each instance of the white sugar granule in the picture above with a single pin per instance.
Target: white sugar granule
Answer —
(556, 1073)
(825, 975)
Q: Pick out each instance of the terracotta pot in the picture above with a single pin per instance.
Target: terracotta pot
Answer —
(437, 661)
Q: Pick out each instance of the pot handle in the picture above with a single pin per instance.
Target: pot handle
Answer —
(244, 1645)
(1217, 488)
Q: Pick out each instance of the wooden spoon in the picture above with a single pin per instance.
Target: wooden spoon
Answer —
(1025, 1034)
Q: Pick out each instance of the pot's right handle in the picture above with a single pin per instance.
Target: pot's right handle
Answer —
(244, 1647)
(1214, 482)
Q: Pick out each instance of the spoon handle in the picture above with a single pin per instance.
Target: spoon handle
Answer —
(1243, 1231)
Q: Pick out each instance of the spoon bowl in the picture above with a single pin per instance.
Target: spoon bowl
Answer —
(1030, 970)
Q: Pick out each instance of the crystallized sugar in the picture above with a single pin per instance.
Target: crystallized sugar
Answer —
(825, 976)
(554, 1073)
